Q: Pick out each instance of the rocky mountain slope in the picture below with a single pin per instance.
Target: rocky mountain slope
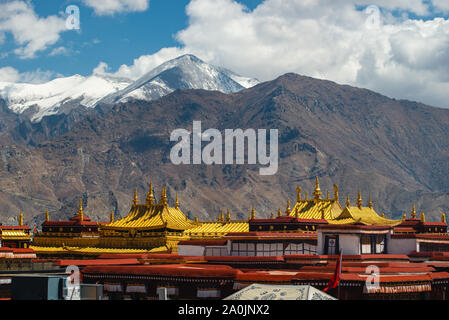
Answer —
(396, 151)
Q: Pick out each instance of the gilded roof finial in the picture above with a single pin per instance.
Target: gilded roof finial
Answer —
(112, 216)
(253, 213)
(383, 215)
(164, 196)
(306, 196)
(150, 195)
(221, 217)
(272, 215)
(47, 216)
(317, 192)
(196, 219)
(370, 202)
(443, 218)
(177, 202)
(413, 211)
(288, 210)
(359, 200)
(348, 203)
(423, 217)
(336, 192)
(21, 219)
(404, 217)
(80, 210)
(228, 215)
(279, 212)
(135, 199)
(298, 194)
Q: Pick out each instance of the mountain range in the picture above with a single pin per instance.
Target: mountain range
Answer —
(63, 94)
(394, 150)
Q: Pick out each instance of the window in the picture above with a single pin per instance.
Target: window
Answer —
(243, 249)
(372, 244)
(300, 248)
(380, 244)
(331, 245)
(366, 244)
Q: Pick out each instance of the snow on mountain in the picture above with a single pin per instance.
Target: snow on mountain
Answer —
(185, 72)
(50, 96)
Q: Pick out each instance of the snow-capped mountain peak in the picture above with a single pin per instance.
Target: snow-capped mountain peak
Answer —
(184, 72)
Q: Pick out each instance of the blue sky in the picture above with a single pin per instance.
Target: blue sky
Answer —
(399, 48)
(116, 39)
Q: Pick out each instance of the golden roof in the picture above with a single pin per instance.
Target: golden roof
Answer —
(362, 215)
(213, 228)
(87, 250)
(153, 217)
(313, 209)
(14, 235)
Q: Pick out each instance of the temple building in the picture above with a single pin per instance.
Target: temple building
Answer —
(157, 227)
(15, 236)
(156, 246)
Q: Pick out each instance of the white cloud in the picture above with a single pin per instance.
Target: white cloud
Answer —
(59, 51)
(31, 32)
(142, 64)
(10, 74)
(328, 39)
(110, 7)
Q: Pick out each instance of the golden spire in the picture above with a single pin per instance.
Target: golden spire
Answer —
(21, 219)
(370, 202)
(150, 195)
(177, 202)
(135, 199)
(80, 210)
(404, 217)
(348, 203)
(443, 218)
(47, 216)
(359, 200)
(336, 192)
(383, 215)
(272, 215)
(279, 212)
(288, 210)
(112, 216)
(317, 192)
(164, 196)
(221, 217)
(298, 194)
(228, 215)
(328, 195)
(253, 213)
(413, 211)
(423, 217)
(196, 219)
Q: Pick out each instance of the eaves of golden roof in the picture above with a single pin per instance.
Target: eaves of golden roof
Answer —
(363, 215)
(153, 217)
